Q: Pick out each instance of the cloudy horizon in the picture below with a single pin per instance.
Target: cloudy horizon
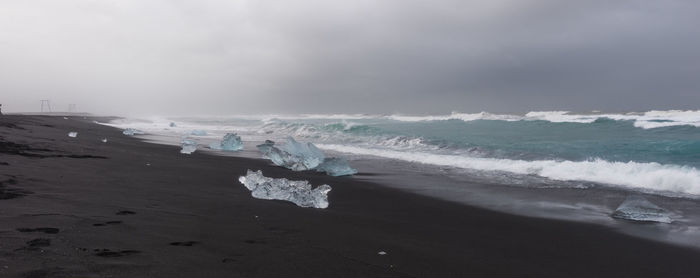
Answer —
(416, 57)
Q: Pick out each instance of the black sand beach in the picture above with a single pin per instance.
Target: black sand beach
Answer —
(77, 207)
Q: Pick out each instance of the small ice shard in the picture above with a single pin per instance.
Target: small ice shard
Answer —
(172, 124)
(381, 253)
(198, 132)
(293, 155)
(132, 132)
(297, 192)
(188, 146)
(336, 166)
(637, 208)
(230, 142)
(65, 118)
(104, 140)
(72, 134)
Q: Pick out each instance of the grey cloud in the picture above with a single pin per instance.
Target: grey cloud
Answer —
(228, 57)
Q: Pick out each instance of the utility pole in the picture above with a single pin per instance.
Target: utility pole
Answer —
(48, 105)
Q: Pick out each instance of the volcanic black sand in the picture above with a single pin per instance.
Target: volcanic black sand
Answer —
(77, 207)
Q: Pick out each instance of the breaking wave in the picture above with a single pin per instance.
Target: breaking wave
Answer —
(634, 175)
(646, 120)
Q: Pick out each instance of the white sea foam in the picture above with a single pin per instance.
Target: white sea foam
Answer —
(647, 120)
(560, 117)
(636, 175)
(653, 119)
(456, 116)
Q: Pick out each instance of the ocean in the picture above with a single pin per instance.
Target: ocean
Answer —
(539, 163)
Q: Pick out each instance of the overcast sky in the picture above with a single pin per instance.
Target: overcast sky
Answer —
(166, 57)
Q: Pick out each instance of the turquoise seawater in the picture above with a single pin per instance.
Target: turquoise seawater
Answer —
(606, 139)
(652, 151)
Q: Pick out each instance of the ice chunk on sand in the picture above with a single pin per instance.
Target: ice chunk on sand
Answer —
(188, 146)
(172, 124)
(297, 192)
(197, 132)
(336, 166)
(104, 140)
(230, 142)
(265, 148)
(132, 132)
(304, 156)
(293, 155)
(638, 208)
(72, 134)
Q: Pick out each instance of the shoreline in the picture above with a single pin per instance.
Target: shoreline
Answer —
(191, 217)
(576, 201)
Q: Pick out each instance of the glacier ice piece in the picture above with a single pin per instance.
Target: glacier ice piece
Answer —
(304, 156)
(172, 124)
(381, 253)
(132, 132)
(104, 140)
(198, 132)
(230, 142)
(336, 166)
(638, 208)
(293, 155)
(72, 134)
(297, 192)
(188, 146)
(265, 148)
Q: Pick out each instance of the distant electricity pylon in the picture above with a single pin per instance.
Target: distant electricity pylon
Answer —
(47, 103)
(71, 108)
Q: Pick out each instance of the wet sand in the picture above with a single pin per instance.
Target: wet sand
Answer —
(77, 207)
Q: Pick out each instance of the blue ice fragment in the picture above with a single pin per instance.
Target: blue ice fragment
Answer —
(197, 132)
(172, 124)
(230, 142)
(132, 132)
(298, 192)
(336, 166)
(293, 155)
(637, 208)
(188, 146)
(265, 148)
